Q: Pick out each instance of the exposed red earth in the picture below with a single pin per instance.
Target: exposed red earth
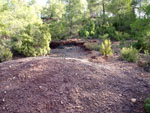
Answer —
(70, 80)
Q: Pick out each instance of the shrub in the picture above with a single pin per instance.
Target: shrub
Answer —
(84, 33)
(129, 54)
(58, 30)
(88, 29)
(106, 48)
(112, 32)
(5, 54)
(125, 36)
(125, 43)
(143, 43)
(81, 33)
(105, 36)
(118, 35)
(92, 33)
(92, 46)
(147, 105)
(34, 41)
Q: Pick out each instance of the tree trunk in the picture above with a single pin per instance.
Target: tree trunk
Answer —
(103, 12)
(71, 27)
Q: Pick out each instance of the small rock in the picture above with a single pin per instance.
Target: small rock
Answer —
(105, 74)
(61, 93)
(61, 102)
(40, 87)
(120, 95)
(133, 100)
(3, 100)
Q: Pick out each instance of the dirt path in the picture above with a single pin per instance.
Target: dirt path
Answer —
(70, 52)
(71, 84)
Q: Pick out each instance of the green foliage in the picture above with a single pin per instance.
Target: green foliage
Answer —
(111, 31)
(55, 9)
(92, 46)
(118, 35)
(146, 64)
(105, 36)
(141, 30)
(5, 54)
(143, 43)
(146, 53)
(16, 15)
(147, 105)
(105, 31)
(58, 30)
(121, 36)
(74, 13)
(129, 54)
(120, 7)
(21, 22)
(125, 43)
(86, 33)
(126, 36)
(88, 30)
(34, 41)
(105, 48)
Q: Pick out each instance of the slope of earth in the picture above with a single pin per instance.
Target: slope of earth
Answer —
(71, 85)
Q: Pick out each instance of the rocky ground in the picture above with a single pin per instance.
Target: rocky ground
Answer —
(72, 83)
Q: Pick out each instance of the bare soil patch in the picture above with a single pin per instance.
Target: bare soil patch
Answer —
(72, 80)
(67, 85)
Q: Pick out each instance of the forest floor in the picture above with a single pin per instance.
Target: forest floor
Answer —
(71, 80)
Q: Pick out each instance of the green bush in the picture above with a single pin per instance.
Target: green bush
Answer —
(125, 36)
(125, 43)
(92, 33)
(34, 41)
(100, 31)
(112, 32)
(143, 43)
(58, 30)
(5, 54)
(147, 105)
(118, 35)
(88, 29)
(84, 33)
(129, 54)
(105, 36)
(106, 48)
(81, 33)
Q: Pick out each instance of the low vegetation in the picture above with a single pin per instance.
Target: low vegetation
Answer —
(105, 48)
(5, 54)
(147, 105)
(129, 54)
(93, 46)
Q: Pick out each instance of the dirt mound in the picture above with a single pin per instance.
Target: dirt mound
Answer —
(65, 85)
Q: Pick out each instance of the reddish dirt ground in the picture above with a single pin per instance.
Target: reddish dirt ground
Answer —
(72, 85)
(72, 80)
